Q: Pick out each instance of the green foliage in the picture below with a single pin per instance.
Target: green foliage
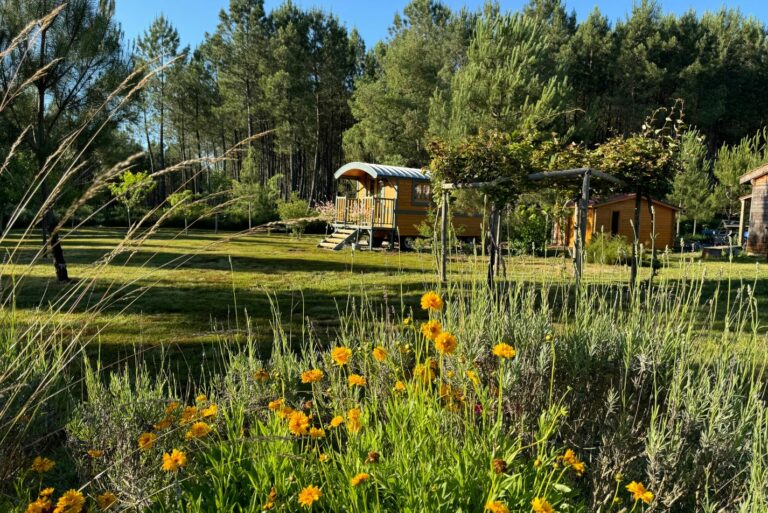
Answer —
(731, 163)
(490, 156)
(504, 84)
(691, 187)
(527, 228)
(608, 249)
(391, 100)
(132, 189)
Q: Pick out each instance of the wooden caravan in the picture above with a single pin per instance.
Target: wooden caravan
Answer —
(386, 202)
(757, 241)
(615, 216)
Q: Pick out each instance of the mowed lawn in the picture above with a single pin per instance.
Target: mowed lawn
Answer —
(176, 290)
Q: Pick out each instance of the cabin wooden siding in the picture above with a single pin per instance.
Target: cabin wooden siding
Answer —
(409, 213)
(758, 217)
(599, 220)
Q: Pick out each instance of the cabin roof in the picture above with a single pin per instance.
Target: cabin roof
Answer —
(379, 171)
(755, 173)
(626, 197)
(620, 198)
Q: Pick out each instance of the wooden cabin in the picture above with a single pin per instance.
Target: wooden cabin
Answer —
(757, 241)
(386, 203)
(615, 216)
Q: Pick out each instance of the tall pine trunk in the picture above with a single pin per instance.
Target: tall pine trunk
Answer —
(50, 233)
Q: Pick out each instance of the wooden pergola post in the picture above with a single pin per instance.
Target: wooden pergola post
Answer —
(743, 201)
(581, 237)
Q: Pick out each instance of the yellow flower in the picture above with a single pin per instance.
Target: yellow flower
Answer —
(341, 355)
(147, 440)
(379, 353)
(571, 460)
(261, 375)
(298, 423)
(106, 500)
(201, 398)
(311, 376)
(309, 496)
(353, 420)
(188, 415)
(174, 461)
(359, 478)
(337, 421)
(399, 387)
(211, 411)
(445, 343)
(472, 375)
(639, 492)
(503, 350)
(285, 412)
(46, 492)
(431, 301)
(276, 404)
(163, 424)
(71, 502)
(356, 379)
(316, 432)
(407, 321)
(41, 505)
(425, 372)
(95, 453)
(537, 463)
(496, 507)
(42, 465)
(541, 505)
(323, 457)
(172, 407)
(431, 329)
(198, 430)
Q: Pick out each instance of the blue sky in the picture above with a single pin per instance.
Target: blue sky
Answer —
(193, 18)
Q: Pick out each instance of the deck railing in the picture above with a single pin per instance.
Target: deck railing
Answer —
(368, 212)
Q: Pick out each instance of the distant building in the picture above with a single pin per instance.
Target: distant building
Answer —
(757, 210)
(615, 215)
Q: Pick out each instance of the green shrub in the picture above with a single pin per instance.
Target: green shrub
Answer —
(609, 249)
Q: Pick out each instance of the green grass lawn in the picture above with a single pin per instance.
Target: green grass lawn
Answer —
(177, 290)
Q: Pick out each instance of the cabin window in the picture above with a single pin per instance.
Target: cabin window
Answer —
(422, 193)
(615, 222)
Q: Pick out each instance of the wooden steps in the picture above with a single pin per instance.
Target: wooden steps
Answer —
(339, 238)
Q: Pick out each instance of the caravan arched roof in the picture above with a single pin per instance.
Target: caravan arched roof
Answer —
(380, 171)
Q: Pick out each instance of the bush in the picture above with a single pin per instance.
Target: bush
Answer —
(609, 249)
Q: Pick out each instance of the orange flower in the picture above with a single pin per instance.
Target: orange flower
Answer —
(174, 461)
(359, 478)
(571, 460)
(42, 465)
(356, 380)
(147, 440)
(337, 421)
(504, 351)
(198, 430)
(541, 505)
(41, 505)
(311, 376)
(211, 411)
(106, 500)
(95, 453)
(298, 423)
(188, 415)
(431, 301)
(431, 329)
(639, 492)
(353, 420)
(496, 507)
(445, 343)
(163, 424)
(379, 353)
(309, 496)
(172, 407)
(316, 432)
(399, 387)
(276, 404)
(261, 375)
(341, 355)
(72, 501)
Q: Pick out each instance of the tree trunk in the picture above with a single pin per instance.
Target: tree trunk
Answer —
(694, 226)
(48, 218)
(635, 242)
